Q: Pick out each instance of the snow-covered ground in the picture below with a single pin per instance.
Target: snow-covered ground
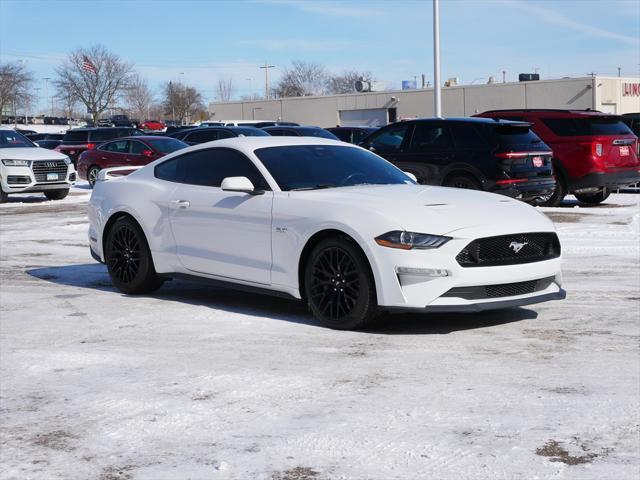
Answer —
(41, 128)
(200, 383)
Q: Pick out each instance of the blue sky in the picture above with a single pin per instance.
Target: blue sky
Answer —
(200, 41)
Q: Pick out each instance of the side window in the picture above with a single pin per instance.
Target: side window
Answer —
(467, 137)
(137, 147)
(119, 146)
(276, 132)
(430, 137)
(168, 170)
(201, 137)
(209, 168)
(390, 140)
(359, 135)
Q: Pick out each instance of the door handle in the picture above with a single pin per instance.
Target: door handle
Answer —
(181, 203)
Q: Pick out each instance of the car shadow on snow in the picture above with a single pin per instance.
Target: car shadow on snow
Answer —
(95, 276)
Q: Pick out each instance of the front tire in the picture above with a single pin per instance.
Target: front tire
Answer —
(128, 258)
(339, 285)
(3, 196)
(56, 194)
(593, 198)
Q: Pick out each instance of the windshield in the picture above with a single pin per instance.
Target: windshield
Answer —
(11, 139)
(250, 132)
(584, 127)
(317, 132)
(166, 145)
(506, 136)
(308, 167)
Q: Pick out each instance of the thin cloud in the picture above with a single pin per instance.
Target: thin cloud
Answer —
(296, 43)
(552, 17)
(328, 8)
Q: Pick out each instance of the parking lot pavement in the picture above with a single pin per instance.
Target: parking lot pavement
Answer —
(195, 382)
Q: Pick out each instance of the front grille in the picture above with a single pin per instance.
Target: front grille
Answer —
(500, 290)
(42, 168)
(18, 179)
(510, 250)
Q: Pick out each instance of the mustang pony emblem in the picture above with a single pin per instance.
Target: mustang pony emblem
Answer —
(517, 246)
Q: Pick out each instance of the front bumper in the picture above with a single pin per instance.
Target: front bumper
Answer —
(23, 180)
(611, 180)
(437, 289)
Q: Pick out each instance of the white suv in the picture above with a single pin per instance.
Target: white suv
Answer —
(26, 168)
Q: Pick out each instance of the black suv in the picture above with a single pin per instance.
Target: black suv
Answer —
(77, 140)
(475, 153)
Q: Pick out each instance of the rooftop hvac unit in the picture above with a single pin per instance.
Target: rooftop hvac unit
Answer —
(528, 77)
(491, 80)
(451, 82)
(363, 85)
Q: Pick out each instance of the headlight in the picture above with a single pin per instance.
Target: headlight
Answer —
(411, 240)
(67, 160)
(16, 163)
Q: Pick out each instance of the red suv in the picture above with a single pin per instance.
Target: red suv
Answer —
(593, 152)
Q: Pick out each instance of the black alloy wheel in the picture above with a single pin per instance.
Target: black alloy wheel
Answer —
(129, 259)
(339, 286)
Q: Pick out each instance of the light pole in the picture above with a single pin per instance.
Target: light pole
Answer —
(437, 103)
(46, 93)
(266, 68)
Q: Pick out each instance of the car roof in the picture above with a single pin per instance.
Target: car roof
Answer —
(141, 137)
(91, 129)
(253, 143)
(556, 112)
(480, 120)
(292, 127)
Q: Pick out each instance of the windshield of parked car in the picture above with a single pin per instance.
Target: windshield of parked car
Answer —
(584, 127)
(310, 167)
(250, 132)
(166, 145)
(11, 139)
(316, 132)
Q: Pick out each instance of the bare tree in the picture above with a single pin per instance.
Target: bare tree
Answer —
(181, 101)
(15, 86)
(225, 89)
(345, 82)
(139, 98)
(68, 99)
(302, 79)
(96, 76)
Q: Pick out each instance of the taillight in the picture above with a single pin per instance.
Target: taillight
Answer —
(91, 146)
(511, 181)
(594, 148)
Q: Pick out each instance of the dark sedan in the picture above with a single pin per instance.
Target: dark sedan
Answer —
(209, 134)
(299, 131)
(353, 135)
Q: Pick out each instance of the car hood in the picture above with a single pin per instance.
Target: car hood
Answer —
(30, 153)
(436, 210)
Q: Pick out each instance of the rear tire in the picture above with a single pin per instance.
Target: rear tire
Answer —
(593, 198)
(339, 285)
(92, 175)
(129, 260)
(462, 181)
(555, 199)
(56, 194)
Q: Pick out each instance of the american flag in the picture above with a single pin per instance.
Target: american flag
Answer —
(88, 65)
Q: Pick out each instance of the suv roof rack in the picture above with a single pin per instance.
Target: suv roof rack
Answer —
(543, 110)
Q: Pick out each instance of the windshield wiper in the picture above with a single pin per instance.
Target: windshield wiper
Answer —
(313, 187)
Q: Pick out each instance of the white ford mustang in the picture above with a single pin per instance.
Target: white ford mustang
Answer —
(323, 221)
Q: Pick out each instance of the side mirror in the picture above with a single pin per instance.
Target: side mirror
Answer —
(411, 176)
(371, 148)
(148, 153)
(36, 144)
(239, 184)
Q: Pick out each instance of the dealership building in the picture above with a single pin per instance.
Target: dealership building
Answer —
(607, 94)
